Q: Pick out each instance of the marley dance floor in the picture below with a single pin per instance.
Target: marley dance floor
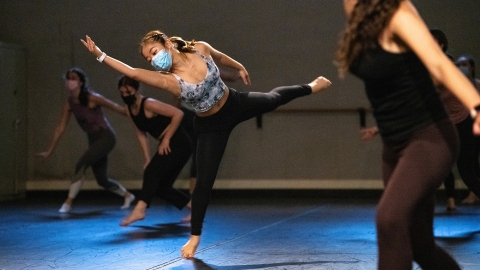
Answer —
(271, 231)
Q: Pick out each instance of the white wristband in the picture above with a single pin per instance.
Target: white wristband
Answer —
(474, 111)
(102, 57)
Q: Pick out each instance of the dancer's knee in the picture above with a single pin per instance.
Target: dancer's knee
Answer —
(389, 224)
(104, 182)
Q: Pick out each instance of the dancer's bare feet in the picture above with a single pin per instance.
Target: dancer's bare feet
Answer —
(66, 206)
(451, 205)
(319, 83)
(137, 214)
(471, 199)
(189, 249)
(128, 199)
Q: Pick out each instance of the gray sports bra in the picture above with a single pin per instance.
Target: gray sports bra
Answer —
(202, 96)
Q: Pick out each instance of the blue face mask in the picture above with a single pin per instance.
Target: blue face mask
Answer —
(162, 61)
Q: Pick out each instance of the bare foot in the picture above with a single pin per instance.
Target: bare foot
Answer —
(471, 199)
(128, 199)
(189, 249)
(451, 205)
(137, 214)
(65, 208)
(319, 83)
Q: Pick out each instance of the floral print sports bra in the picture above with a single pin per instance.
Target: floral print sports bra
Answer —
(202, 96)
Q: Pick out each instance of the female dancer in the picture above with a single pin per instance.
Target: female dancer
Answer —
(161, 121)
(390, 48)
(86, 106)
(467, 160)
(192, 75)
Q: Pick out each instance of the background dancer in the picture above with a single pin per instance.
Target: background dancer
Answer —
(86, 105)
(466, 64)
(467, 160)
(162, 122)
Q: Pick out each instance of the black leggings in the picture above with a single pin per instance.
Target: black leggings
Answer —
(412, 172)
(187, 124)
(213, 132)
(162, 171)
(467, 162)
(100, 143)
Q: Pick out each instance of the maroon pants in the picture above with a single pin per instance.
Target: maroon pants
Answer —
(413, 169)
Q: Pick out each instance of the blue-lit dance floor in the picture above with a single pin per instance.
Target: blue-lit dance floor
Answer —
(267, 232)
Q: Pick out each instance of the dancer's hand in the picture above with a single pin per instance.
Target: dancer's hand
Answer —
(368, 133)
(164, 147)
(320, 83)
(476, 126)
(90, 45)
(245, 77)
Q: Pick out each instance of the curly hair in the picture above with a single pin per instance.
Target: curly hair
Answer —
(159, 36)
(366, 23)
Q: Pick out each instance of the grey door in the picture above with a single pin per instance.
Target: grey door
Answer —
(13, 122)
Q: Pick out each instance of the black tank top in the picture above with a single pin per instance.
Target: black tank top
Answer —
(400, 91)
(153, 126)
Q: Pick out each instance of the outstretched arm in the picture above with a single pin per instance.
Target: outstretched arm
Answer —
(104, 102)
(152, 78)
(426, 48)
(143, 140)
(224, 60)
(176, 115)
(59, 130)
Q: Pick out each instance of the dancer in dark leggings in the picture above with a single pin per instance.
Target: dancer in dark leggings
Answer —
(162, 122)
(388, 46)
(86, 106)
(467, 65)
(187, 124)
(190, 73)
(467, 160)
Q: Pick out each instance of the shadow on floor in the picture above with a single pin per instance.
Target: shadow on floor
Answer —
(158, 231)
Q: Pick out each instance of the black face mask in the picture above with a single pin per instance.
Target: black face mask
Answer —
(129, 100)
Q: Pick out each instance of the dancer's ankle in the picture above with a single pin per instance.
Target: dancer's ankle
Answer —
(69, 201)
